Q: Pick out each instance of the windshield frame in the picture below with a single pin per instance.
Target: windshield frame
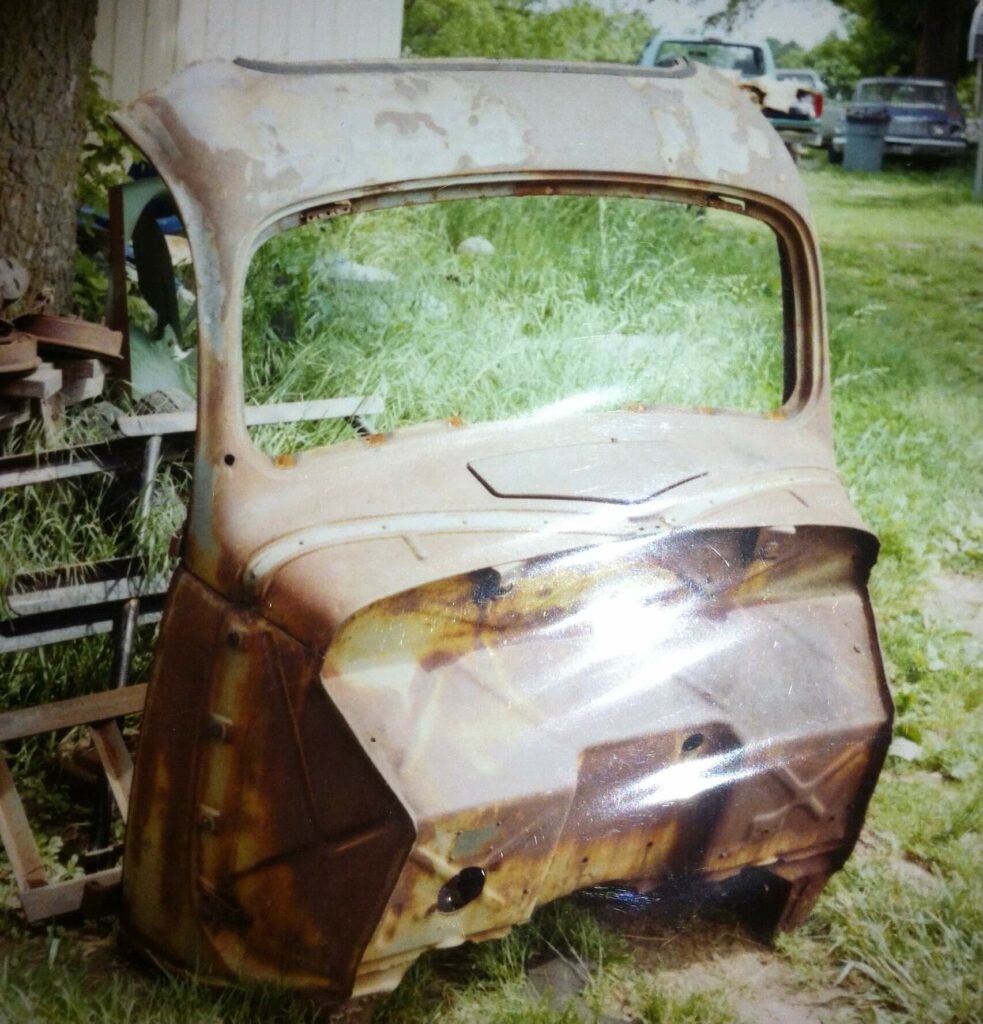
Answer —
(888, 93)
(756, 52)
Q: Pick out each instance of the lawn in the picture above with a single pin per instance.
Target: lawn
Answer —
(898, 935)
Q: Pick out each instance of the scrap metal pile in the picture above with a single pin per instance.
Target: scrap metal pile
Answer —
(50, 362)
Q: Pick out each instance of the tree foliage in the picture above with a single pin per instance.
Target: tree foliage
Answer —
(518, 28)
(886, 37)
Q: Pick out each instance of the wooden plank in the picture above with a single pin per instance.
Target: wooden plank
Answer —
(63, 714)
(256, 415)
(131, 18)
(248, 27)
(81, 460)
(102, 46)
(74, 369)
(69, 897)
(116, 760)
(192, 24)
(82, 389)
(50, 411)
(65, 596)
(301, 38)
(274, 29)
(159, 43)
(15, 831)
(389, 31)
(220, 27)
(44, 382)
(118, 317)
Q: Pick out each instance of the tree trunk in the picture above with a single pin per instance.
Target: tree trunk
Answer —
(44, 76)
(943, 29)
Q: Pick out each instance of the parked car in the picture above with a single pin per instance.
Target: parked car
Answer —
(926, 119)
(794, 114)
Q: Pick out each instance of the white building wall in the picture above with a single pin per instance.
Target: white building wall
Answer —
(141, 43)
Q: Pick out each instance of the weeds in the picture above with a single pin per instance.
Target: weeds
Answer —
(604, 302)
(898, 932)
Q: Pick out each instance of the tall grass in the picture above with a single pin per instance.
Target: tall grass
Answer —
(627, 301)
(606, 302)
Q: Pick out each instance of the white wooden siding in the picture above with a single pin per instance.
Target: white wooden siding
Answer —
(141, 43)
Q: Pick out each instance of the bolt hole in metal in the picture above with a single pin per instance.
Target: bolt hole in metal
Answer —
(692, 742)
(465, 887)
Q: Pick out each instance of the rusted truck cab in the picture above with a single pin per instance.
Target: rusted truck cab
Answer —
(408, 691)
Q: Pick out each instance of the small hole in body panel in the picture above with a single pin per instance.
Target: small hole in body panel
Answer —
(465, 887)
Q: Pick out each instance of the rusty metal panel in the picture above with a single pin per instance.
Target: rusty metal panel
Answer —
(623, 648)
(261, 837)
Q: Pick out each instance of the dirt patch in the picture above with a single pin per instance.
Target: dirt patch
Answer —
(956, 601)
(759, 985)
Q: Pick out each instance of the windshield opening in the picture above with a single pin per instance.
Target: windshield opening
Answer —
(748, 60)
(487, 309)
(902, 94)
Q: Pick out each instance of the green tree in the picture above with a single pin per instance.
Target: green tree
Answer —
(787, 55)
(841, 62)
(515, 28)
(921, 37)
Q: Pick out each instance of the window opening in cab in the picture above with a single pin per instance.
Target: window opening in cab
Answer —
(748, 60)
(488, 309)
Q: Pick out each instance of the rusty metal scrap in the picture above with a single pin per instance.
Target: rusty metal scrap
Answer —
(628, 647)
(63, 335)
(18, 350)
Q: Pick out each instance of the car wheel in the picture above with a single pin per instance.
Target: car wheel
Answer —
(835, 156)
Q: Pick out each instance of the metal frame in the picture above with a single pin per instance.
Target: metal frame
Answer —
(41, 897)
(114, 595)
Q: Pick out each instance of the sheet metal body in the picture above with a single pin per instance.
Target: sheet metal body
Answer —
(407, 691)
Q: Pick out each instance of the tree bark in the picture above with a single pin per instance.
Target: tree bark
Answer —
(943, 29)
(44, 76)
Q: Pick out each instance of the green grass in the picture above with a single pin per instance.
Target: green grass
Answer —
(904, 264)
(604, 301)
(899, 934)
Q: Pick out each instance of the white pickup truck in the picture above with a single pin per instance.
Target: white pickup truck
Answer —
(793, 108)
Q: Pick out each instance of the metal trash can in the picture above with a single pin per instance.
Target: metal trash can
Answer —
(866, 128)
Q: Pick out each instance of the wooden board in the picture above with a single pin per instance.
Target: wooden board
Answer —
(63, 714)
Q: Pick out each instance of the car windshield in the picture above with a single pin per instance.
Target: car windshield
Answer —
(748, 60)
(902, 94)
